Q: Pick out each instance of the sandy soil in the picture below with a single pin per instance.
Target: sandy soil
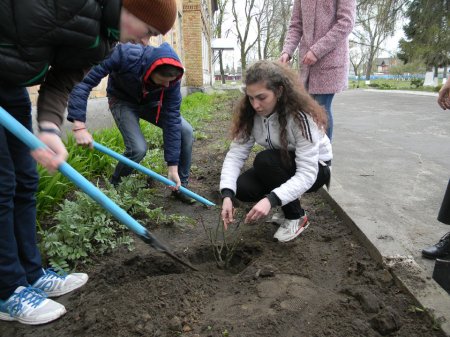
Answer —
(322, 284)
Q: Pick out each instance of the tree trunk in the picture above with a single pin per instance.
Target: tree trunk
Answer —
(222, 71)
(369, 68)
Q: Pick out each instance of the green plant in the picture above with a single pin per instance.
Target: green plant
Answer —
(437, 88)
(417, 82)
(385, 86)
(83, 228)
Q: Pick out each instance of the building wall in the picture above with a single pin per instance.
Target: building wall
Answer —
(192, 37)
(197, 22)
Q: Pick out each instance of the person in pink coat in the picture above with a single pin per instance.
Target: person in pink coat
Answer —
(320, 29)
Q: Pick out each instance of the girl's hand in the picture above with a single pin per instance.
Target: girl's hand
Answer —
(260, 210)
(284, 58)
(227, 212)
(309, 58)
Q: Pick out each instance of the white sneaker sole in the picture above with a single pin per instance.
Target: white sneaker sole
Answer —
(33, 321)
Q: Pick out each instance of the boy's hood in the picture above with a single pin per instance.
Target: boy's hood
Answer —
(157, 56)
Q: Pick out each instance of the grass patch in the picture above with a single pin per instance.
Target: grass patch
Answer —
(392, 84)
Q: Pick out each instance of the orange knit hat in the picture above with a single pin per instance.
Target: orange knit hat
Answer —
(160, 14)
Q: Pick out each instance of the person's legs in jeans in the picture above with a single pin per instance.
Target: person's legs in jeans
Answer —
(187, 139)
(20, 260)
(325, 100)
(126, 116)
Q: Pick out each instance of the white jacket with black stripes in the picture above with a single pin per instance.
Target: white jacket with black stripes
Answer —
(309, 143)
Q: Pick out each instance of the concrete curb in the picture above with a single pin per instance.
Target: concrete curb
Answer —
(408, 274)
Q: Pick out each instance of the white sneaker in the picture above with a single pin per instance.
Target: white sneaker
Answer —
(55, 285)
(290, 229)
(277, 218)
(28, 305)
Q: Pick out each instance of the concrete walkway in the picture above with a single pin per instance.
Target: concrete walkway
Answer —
(391, 167)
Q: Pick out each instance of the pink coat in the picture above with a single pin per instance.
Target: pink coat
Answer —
(322, 26)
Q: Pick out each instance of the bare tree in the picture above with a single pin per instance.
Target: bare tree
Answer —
(272, 22)
(284, 17)
(242, 30)
(375, 21)
(218, 26)
(267, 27)
(358, 57)
(262, 28)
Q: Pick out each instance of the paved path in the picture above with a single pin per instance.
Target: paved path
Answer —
(390, 169)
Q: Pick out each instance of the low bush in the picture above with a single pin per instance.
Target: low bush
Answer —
(417, 82)
(84, 229)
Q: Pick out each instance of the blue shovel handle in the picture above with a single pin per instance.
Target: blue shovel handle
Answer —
(34, 143)
(150, 173)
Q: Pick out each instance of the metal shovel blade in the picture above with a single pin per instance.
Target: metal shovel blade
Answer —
(150, 239)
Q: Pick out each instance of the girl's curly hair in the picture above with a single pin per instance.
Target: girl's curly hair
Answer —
(294, 101)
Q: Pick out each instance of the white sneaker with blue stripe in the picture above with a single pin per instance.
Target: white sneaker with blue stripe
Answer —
(28, 305)
(55, 285)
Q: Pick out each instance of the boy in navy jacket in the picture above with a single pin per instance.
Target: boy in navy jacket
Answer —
(144, 83)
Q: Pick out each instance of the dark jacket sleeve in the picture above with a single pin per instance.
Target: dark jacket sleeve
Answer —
(54, 92)
(170, 120)
(79, 96)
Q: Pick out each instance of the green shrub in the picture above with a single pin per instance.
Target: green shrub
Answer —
(84, 229)
(385, 86)
(437, 88)
(417, 82)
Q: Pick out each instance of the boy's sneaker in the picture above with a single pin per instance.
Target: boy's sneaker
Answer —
(183, 197)
(290, 229)
(28, 305)
(55, 285)
(277, 218)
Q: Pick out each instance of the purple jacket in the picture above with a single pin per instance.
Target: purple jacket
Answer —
(322, 26)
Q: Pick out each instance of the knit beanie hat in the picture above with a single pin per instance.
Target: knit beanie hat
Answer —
(160, 14)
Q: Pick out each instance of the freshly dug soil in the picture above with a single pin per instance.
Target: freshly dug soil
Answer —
(324, 283)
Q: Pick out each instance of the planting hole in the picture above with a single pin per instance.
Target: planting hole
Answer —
(141, 267)
(242, 256)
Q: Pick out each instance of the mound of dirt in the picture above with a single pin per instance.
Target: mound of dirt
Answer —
(322, 284)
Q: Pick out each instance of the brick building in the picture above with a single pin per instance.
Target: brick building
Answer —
(197, 35)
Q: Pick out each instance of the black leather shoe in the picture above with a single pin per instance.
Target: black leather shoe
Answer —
(182, 197)
(440, 249)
